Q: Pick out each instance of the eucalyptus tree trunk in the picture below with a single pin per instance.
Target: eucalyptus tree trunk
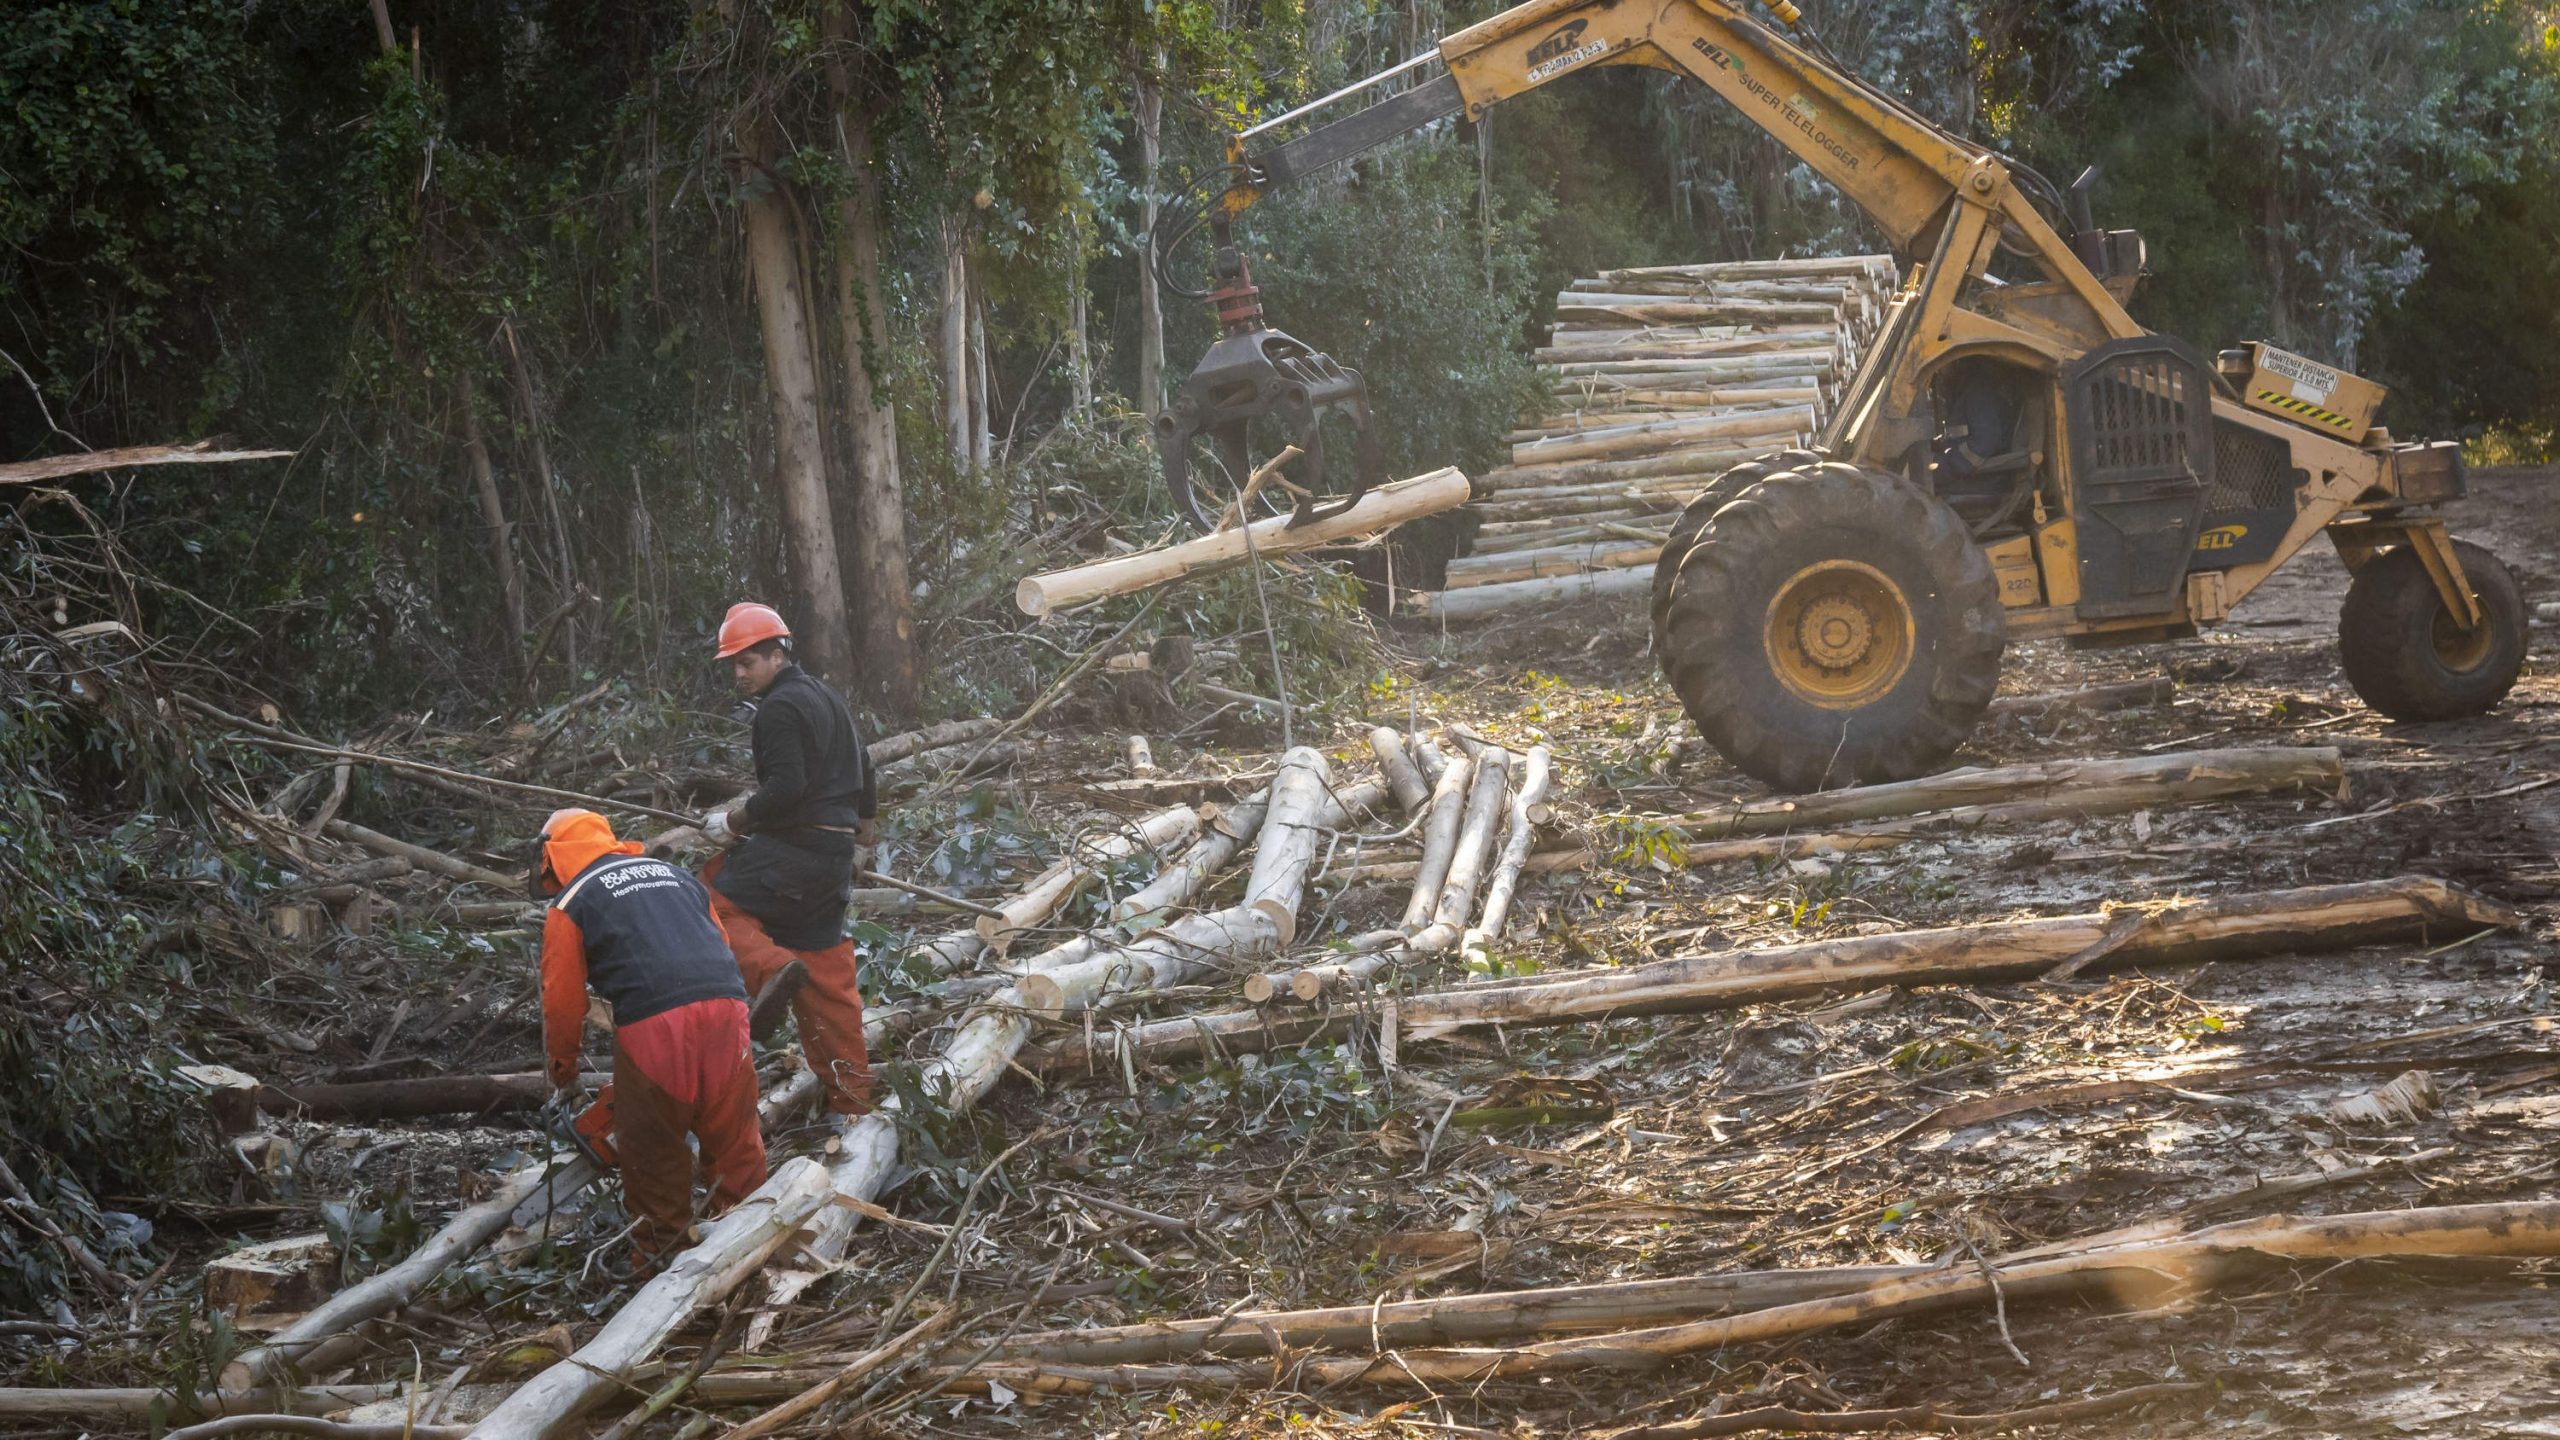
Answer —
(493, 517)
(1079, 345)
(953, 348)
(884, 602)
(1150, 117)
(982, 410)
(774, 261)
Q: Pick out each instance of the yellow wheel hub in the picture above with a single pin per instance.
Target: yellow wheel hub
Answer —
(2462, 651)
(1840, 634)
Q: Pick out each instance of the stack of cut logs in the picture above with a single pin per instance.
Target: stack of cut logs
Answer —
(1658, 379)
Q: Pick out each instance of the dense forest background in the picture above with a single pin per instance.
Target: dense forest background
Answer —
(588, 317)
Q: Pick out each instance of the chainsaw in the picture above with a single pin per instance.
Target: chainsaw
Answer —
(588, 1131)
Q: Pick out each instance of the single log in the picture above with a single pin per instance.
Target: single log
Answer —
(409, 1099)
(2139, 1275)
(1493, 1315)
(932, 737)
(1381, 509)
(1301, 803)
(1222, 836)
(1439, 841)
(2053, 787)
(1427, 756)
(1140, 756)
(1404, 779)
(2122, 695)
(1526, 806)
(1050, 892)
(1479, 601)
(1524, 482)
(732, 1248)
(137, 1401)
(1561, 560)
(2249, 926)
(422, 857)
(1622, 441)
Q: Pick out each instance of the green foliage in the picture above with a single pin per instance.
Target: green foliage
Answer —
(1388, 272)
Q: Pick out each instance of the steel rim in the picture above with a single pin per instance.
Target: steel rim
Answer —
(1840, 634)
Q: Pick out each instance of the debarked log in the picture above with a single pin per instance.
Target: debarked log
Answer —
(1381, 509)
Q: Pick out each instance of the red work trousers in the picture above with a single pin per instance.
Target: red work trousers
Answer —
(829, 1007)
(681, 1072)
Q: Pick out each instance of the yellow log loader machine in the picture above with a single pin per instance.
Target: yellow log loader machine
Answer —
(2014, 458)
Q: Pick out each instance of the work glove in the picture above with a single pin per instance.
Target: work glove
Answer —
(716, 829)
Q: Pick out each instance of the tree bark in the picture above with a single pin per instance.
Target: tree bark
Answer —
(1380, 509)
(1476, 602)
(1150, 126)
(1079, 337)
(822, 630)
(883, 591)
(1404, 780)
(421, 856)
(952, 345)
(493, 519)
(982, 416)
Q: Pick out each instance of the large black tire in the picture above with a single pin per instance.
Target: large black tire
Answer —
(1721, 491)
(1834, 626)
(2403, 651)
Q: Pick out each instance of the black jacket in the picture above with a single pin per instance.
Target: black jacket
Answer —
(811, 769)
(642, 933)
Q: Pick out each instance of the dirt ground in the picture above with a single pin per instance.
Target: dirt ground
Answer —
(1833, 1131)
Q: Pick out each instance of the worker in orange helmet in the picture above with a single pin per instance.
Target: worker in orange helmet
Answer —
(642, 933)
(783, 890)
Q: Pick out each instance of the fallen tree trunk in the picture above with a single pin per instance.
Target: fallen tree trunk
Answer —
(1056, 886)
(1439, 841)
(983, 1048)
(410, 1099)
(2136, 1275)
(1457, 898)
(1526, 811)
(1499, 1314)
(732, 1248)
(138, 1401)
(1505, 568)
(2312, 919)
(932, 737)
(420, 856)
(1477, 601)
(2123, 695)
(1403, 777)
(2051, 787)
(1381, 509)
(332, 1331)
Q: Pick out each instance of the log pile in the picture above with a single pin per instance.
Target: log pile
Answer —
(1655, 381)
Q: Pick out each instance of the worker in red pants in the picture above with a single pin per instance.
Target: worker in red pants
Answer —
(783, 890)
(641, 932)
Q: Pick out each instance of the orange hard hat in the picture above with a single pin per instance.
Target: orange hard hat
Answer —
(749, 623)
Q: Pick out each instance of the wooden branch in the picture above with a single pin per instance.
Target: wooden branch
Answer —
(315, 1425)
(732, 1248)
(2122, 695)
(2304, 921)
(422, 857)
(1381, 509)
(1253, 484)
(2040, 789)
(62, 467)
(1931, 1417)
